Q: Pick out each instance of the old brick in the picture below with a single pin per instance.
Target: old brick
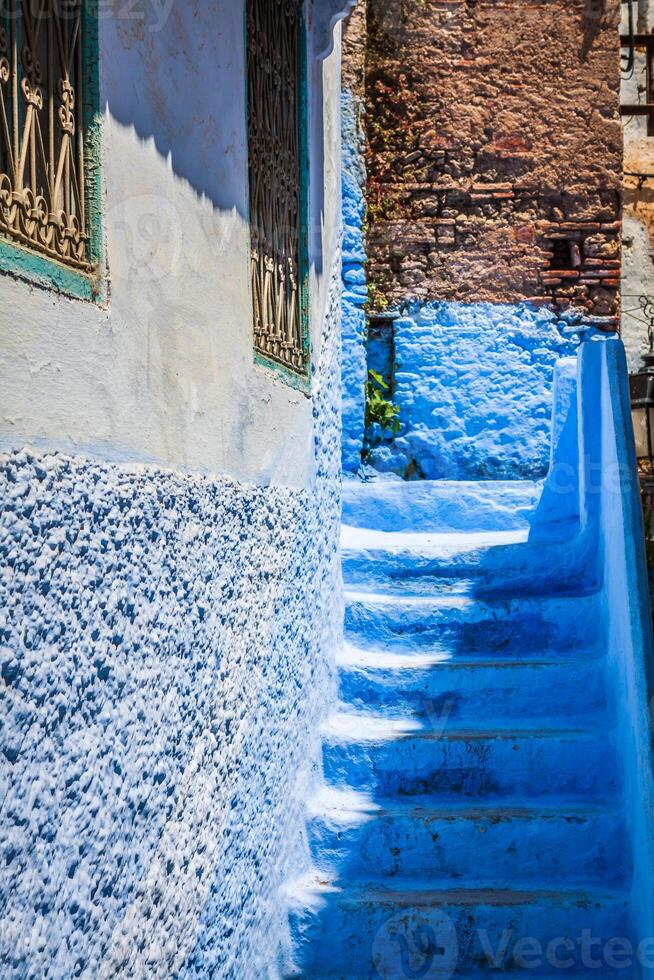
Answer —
(469, 122)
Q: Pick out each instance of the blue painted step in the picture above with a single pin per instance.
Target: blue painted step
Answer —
(372, 932)
(462, 626)
(472, 792)
(470, 691)
(488, 563)
(387, 758)
(361, 841)
(442, 505)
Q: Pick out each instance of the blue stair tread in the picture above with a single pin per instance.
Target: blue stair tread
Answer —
(419, 894)
(464, 626)
(350, 931)
(396, 657)
(455, 505)
(564, 808)
(364, 728)
(471, 607)
(437, 543)
(365, 839)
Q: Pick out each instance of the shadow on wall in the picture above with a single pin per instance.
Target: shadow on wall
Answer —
(175, 73)
(594, 19)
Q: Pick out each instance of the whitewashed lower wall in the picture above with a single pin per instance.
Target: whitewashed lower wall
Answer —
(166, 647)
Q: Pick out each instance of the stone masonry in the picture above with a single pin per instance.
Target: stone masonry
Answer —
(494, 151)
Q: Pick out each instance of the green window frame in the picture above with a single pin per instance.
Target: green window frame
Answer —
(50, 191)
(277, 125)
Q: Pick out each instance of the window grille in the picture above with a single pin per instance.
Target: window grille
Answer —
(275, 80)
(42, 158)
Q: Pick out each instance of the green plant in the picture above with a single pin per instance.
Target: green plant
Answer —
(376, 299)
(378, 408)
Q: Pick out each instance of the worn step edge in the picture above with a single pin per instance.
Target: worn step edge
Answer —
(354, 657)
(510, 605)
(315, 885)
(428, 544)
(325, 806)
(368, 729)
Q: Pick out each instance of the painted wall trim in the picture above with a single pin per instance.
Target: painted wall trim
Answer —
(40, 269)
(301, 382)
(326, 15)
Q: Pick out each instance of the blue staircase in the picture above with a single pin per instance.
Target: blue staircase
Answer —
(471, 817)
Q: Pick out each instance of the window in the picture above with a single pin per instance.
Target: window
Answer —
(47, 87)
(275, 35)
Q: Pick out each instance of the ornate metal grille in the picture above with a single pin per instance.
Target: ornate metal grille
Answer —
(42, 181)
(274, 98)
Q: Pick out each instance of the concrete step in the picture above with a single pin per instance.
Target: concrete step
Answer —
(480, 563)
(442, 505)
(395, 757)
(415, 930)
(462, 626)
(480, 846)
(491, 691)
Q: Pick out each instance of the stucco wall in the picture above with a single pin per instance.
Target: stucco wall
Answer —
(474, 387)
(169, 590)
(493, 159)
(165, 372)
(638, 225)
(355, 292)
(166, 647)
(353, 317)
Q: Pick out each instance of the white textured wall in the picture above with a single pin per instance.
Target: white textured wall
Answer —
(166, 656)
(165, 372)
(638, 223)
(166, 631)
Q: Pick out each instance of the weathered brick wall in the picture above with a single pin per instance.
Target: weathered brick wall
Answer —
(494, 151)
(354, 51)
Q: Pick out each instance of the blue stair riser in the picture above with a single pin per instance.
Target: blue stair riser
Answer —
(377, 937)
(484, 572)
(473, 787)
(484, 766)
(509, 628)
(445, 694)
(448, 506)
(511, 848)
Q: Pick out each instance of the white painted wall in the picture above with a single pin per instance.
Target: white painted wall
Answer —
(165, 372)
(638, 221)
(167, 639)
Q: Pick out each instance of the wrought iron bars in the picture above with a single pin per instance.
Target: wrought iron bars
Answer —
(41, 128)
(274, 92)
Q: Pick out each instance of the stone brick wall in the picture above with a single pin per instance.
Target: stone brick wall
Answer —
(354, 51)
(494, 152)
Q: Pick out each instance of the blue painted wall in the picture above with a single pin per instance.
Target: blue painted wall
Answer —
(474, 387)
(166, 651)
(474, 382)
(353, 320)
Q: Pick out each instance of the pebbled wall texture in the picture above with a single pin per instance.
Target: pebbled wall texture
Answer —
(353, 317)
(353, 188)
(474, 388)
(493, 155)
(166, 644)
